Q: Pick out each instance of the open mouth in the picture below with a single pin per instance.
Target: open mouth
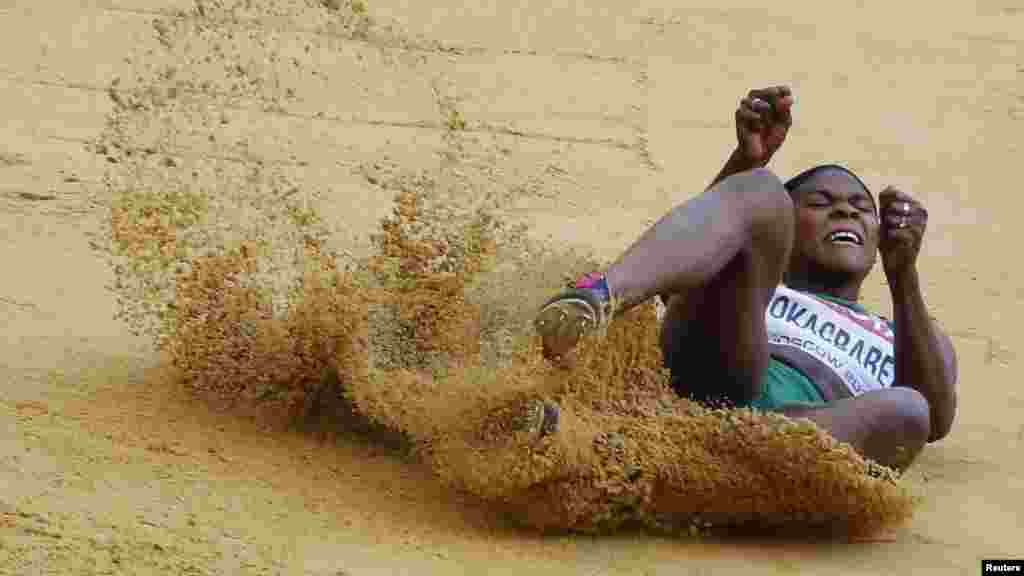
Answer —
(848, 237)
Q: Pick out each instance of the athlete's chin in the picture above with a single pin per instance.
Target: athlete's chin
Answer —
(856, 268)
(853, 272)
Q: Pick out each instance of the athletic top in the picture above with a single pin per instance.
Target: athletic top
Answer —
(837, 344)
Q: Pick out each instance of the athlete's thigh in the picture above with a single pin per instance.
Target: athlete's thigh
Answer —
(714, 338)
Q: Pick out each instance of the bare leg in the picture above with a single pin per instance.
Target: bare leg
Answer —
(888, 426)
(718, 258)
(688, 247)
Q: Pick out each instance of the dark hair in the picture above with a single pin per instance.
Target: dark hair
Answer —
(794, 182)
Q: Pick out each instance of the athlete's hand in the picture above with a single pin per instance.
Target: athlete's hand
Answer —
(903, 221)
(762, 122)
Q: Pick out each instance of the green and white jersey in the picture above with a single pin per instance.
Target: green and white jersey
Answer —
(841, 347)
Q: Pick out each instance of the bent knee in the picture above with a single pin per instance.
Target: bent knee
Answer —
(761, 188)
(767, 204)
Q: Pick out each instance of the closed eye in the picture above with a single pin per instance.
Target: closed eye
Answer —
(824, 199)
(817, 200)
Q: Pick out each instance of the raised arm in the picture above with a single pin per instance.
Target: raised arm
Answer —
(762, 122)
(763, 119)
(925, 358)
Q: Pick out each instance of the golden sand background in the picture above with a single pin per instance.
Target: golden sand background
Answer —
(584, 121)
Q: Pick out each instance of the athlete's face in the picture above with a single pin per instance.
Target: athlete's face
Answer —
(836, 226)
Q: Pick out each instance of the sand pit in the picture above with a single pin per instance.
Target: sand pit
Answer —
(240, 157)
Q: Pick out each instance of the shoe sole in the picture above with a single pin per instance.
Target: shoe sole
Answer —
(563, 320)
(539, 419)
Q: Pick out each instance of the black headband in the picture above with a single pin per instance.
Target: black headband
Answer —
(802, 177)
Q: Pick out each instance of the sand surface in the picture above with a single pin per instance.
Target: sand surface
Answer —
(587, 120)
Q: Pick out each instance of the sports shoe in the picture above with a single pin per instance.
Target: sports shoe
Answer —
(538, 418)
(563, 320)
(524, 419)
